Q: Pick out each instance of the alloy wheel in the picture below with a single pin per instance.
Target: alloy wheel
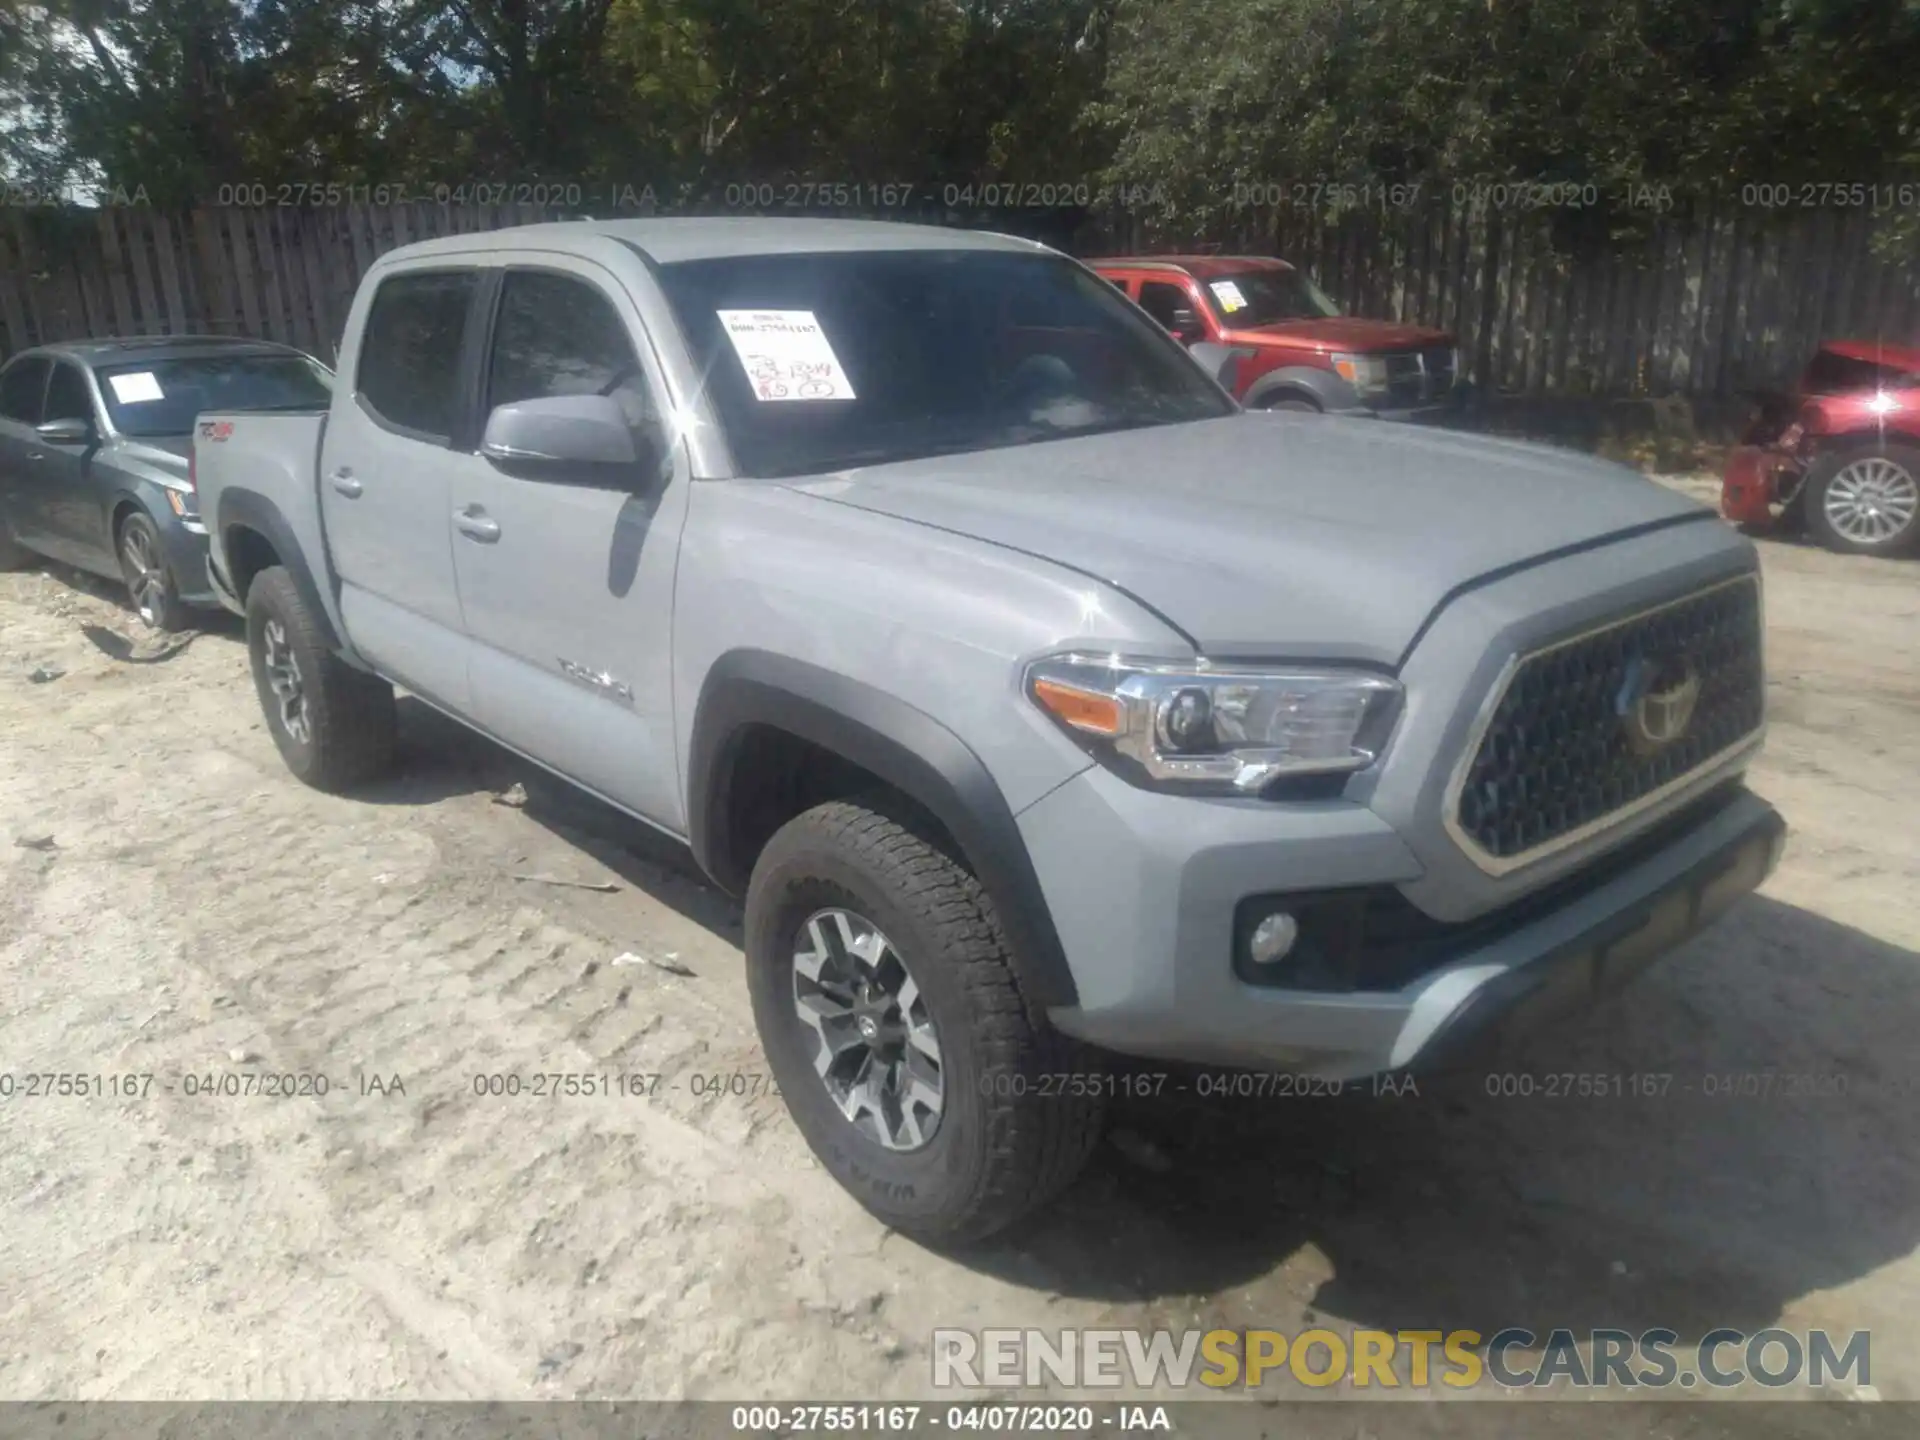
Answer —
(284, 679)
(876, 1049)
(146, 574)
(1872, 500)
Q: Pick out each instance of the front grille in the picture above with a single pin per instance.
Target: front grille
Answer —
(1560, 755)
(1406, 382)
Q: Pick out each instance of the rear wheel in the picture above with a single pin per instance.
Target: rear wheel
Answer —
(1866, 501)
(150, 583)
(893, 1024)
(335, 726)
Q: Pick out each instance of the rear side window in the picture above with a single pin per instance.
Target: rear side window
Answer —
(409, 372)
(556, 335)
(21, 386)
(67, 397)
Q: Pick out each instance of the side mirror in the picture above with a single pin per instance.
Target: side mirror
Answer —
(1186, 325)
(1222, 362)
(558, 434)
(65, 432)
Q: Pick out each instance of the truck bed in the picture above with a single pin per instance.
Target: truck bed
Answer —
(249, 465)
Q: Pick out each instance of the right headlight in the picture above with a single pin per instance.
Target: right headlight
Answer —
(1366, 373)
(1229, 730)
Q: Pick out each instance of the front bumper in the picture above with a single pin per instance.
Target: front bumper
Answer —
(184, 539)
(1143, 889)
(1755, 479)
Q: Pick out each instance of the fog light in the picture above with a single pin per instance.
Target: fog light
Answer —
(1272, 938)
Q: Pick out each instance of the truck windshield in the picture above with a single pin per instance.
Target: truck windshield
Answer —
(1252, 298)
(160, 397)
(822, 362)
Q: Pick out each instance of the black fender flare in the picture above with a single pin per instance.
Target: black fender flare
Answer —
(239, 507)
(908, 750)
(1325, 387)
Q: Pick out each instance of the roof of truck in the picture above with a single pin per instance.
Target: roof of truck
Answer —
(671, 240)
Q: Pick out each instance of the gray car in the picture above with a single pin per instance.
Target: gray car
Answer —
(96, 448)
(1039, 701)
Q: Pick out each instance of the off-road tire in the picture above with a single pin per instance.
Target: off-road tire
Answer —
(1813, 500)
(350, 717)
(1296, 406)
(1023, 1104)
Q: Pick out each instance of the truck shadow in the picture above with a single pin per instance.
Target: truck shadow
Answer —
(1771, 1152)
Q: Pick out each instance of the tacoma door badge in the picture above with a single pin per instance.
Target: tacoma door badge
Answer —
(597, 680)
(1657, 700)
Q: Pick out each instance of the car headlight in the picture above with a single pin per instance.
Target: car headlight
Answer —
(1364, 372)
(1228, 730)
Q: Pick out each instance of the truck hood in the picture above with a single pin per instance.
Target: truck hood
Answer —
(1363, 337)
(1273, 534)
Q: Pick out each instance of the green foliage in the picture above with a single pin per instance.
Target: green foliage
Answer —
(1172, 101)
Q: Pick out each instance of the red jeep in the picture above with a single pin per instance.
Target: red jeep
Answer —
(1297, 351)
(1841, 454)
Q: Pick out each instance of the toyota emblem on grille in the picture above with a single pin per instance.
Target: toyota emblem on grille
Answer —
(1657, 700)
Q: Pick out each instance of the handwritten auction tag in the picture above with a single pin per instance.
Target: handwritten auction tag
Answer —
(786, 355)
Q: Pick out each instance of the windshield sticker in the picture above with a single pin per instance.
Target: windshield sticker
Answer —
(786, 355)
(1229, 296)
(135, 389)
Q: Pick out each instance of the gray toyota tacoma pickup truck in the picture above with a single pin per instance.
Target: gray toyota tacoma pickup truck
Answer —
(1040, 703)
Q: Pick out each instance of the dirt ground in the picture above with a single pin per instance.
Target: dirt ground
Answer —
(173, 903)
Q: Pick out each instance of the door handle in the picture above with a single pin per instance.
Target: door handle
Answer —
(36, 454)
(343, 481)
(475, 524)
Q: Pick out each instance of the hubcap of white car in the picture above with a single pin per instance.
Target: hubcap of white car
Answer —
(876, 1050)
(146, 575)
(283, 678)
(1872, 500)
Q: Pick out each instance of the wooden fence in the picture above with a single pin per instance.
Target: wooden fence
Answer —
(1700, 305)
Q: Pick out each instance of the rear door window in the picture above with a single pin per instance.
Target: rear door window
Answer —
(409, 369)
(21, 386)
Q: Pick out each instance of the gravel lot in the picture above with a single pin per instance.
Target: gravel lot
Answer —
(196, 911)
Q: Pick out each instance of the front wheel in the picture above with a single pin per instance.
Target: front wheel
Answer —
(150, 583)
(1866, 501)
(894, 1027)
(335, 726)
(1294, 404)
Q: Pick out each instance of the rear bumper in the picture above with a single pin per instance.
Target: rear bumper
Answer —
(1151, 941)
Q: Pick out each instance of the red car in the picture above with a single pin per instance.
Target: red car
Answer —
(1297, 351)
(1840, 455)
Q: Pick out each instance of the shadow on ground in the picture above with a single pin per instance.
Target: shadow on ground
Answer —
(1768, 1154)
